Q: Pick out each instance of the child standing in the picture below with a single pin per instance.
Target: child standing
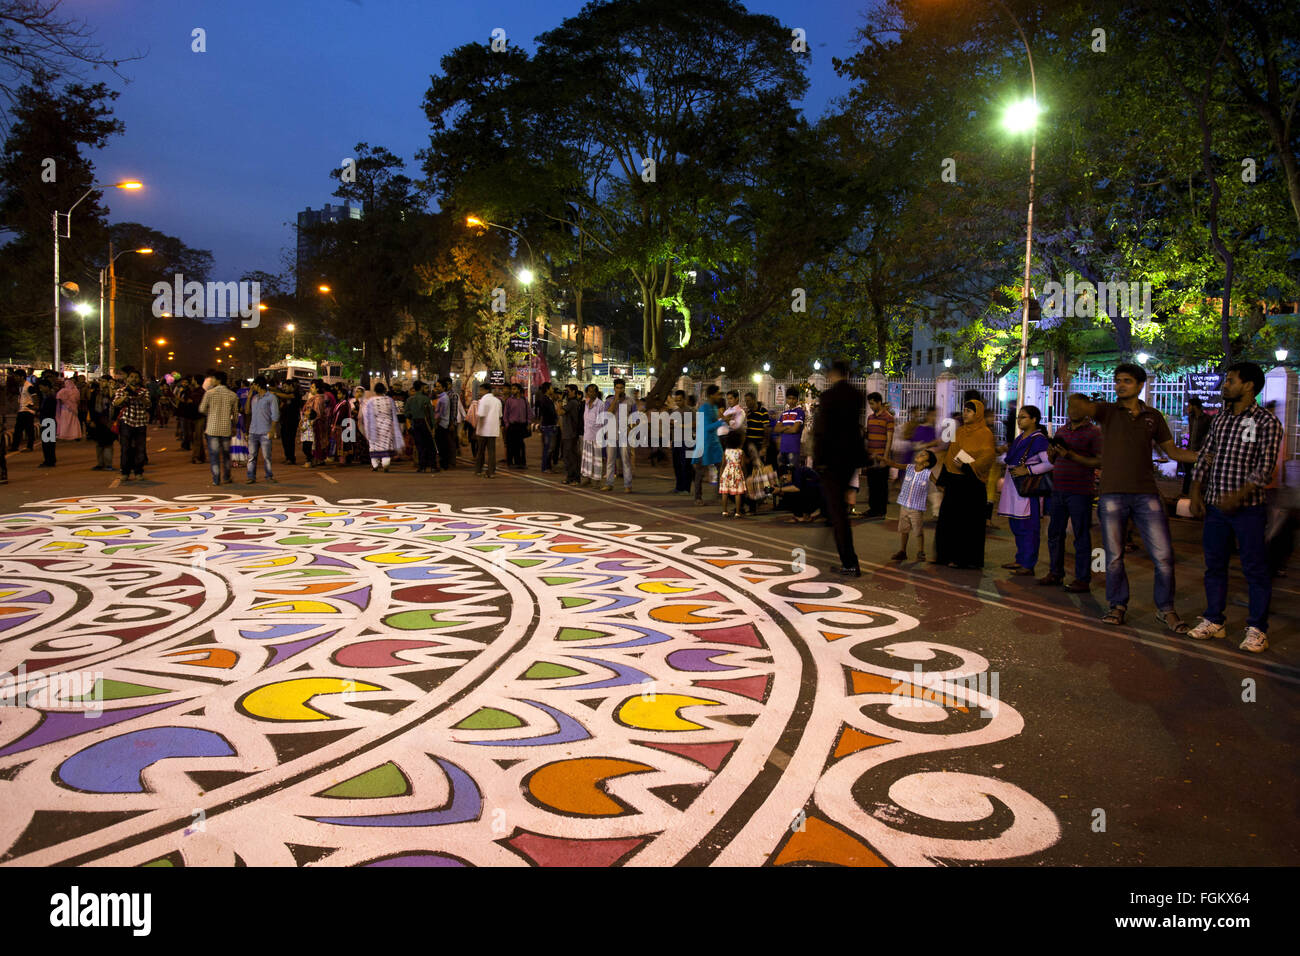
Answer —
(913, 497)
(307, 433)
(732, 480)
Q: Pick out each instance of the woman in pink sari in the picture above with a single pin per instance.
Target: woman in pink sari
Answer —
(321, 400)
(68, 424)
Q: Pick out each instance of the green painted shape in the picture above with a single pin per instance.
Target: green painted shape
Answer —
(177, 518)
(487, 547)
(525, 562)
(543, 670)
(578, 634)
(382, 530)
(555, 582)
(575, 601)
(312, 524)
(247, 521)
(421, 619)
(130, 547)
(109, 689)
(303, 572)
(437, 537)
(304, 539)
(489, 718)
(160, 862)
(382, 781)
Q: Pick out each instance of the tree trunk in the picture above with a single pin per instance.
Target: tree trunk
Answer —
(579, 333)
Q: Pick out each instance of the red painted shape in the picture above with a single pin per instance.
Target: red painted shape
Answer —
(431, 594)
(559, 851)
(665, 573)
(711, 596)
(740, 634)
(711, 755)
(378, 653)
(755, 688)
(346, 548)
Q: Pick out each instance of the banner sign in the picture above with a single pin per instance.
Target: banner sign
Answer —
(496, 377)
(1205, 386)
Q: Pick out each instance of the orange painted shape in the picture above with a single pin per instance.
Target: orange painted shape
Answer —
(822, 842)
(682, 614)
(832, 636)
(222, 657)
(320, 587)
(851, 741)
(573, 786)
(860, 683)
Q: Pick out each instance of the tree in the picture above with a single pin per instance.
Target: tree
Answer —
(42, 169)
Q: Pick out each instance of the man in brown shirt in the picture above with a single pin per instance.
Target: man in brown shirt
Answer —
(1129, 427)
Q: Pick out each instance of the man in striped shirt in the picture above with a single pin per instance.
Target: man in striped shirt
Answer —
(1236, 464)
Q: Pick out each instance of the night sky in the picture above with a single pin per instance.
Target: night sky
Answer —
(234, 142)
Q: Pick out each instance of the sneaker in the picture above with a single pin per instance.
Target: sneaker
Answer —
(1256, 641)
(1205, 630)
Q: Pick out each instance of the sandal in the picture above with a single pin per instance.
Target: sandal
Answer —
(1115, 616)
(1172, 622)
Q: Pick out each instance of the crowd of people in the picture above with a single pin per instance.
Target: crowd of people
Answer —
(808, 458)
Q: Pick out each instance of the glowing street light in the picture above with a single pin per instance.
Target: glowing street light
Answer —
(817, 365)
(767, 366)
(1280, 355)
(1142, 358)
(1022, 116)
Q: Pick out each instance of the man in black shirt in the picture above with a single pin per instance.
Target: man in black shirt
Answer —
(837, 452)
(544, 413)
(571, 427)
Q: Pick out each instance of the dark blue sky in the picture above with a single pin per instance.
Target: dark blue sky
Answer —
(234, 142)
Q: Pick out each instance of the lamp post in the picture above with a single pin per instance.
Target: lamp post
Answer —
(290, 328)
(84, 310)
(1025, 114)
(67, 218)
(112, 336)
(475, 221)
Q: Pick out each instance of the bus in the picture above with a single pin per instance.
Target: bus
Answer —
(303, 372)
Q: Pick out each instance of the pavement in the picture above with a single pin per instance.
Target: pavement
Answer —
(348, 668)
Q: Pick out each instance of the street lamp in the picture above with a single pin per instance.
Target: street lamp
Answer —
(1142, 358)
(767, 366)
(112, 323)
(1280, 355)
(817, 365)
(526, 276)
(947, 363)
(67, 218)
(876, 364)
(83, 310)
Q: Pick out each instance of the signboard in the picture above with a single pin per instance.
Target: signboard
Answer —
(780, 395)
(496, 377)
(518, 344)
(895, 396)
(1205, 386)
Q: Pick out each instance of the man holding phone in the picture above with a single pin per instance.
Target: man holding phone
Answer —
(1075, 452)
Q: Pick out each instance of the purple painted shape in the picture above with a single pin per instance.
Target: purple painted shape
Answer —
(178, 532)
(652, 637)
(244, 546)
(466, 804)
(115, 765)
(565, 562)
(419, 859)
(361, 597)
(40, 597)
(624, 675)
(621, 565)
(570, 730)
(698, 659)
(275, 630)
(283, 651)
(9, 622)
(463, 526)
(328, 561)
(621, 601)
(419, 573)
(62, 725)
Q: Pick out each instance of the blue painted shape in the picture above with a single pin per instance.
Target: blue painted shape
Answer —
(115, 765)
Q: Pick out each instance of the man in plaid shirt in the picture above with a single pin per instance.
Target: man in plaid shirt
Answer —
(132, 402)
(1236, 463)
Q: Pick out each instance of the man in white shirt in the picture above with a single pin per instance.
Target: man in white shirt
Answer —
(487, 427)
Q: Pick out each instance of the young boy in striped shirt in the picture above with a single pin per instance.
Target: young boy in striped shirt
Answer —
(913, 499)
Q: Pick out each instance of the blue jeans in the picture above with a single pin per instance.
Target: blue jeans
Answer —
(1026, 531)
(1076, 510)
(256, 443)
(548, 445)
(1247, 525)
(218, 456)
(612, 455)
(1148, 514)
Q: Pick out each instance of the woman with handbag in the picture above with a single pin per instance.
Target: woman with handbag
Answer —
(1028, 482)
(959, 534)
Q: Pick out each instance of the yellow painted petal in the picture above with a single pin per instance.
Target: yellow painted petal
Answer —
(88, 533)
(272, 562)
(659, 712)
(63, 546)
(392, 557)
(521, 535)
(661, 587)
(326, 514)
(76, 511)
(288, 699)
(298, 607)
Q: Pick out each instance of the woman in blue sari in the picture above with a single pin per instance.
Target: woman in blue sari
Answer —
(1027, 455)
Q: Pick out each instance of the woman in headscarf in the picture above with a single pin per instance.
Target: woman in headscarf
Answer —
(67, 422)
(1026, 455)
(959, 536)
(239, 443)
(360, 449)
(342, 451)
(382, 428)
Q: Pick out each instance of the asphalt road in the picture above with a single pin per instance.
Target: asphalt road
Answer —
(1149, 749)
